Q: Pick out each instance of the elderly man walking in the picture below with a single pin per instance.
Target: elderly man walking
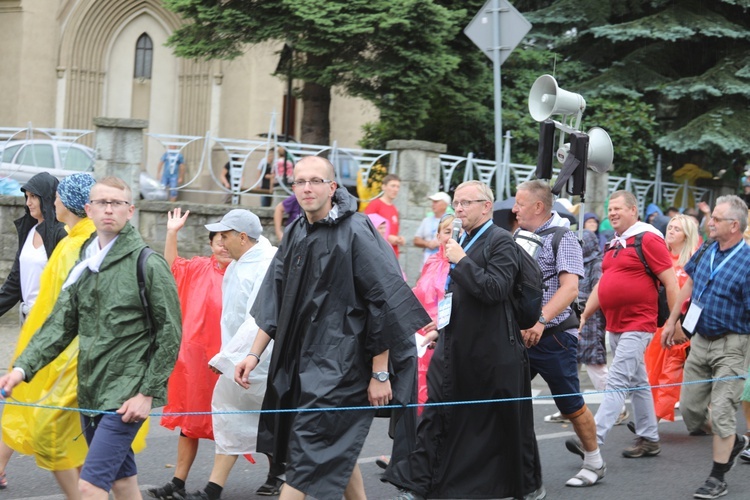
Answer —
(719, 317)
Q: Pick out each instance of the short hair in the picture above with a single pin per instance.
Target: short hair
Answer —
(737, 209)
(117, 183)
(329, 166)
(390, 177)
(212, 235)
(481, 186)
(540, 190)
(628, 197)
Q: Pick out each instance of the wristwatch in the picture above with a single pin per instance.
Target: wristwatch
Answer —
(542, 320)
(381, 376)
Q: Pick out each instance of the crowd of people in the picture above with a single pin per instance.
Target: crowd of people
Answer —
(327, 320)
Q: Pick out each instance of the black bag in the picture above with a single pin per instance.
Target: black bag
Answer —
(527, 291)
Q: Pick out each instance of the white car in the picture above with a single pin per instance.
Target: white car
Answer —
(22, 160)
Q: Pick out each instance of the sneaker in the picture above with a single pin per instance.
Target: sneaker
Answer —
(642, 448)
(745, 456)
(712, 488)
(196, 495)
(631, 426)
(166, 492)
(556, 418)
(740, 445)
(624, 415)
(407, 495)
(537, 494)
(271, 488)
(574, 446)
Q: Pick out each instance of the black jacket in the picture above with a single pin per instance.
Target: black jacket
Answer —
(51, 230)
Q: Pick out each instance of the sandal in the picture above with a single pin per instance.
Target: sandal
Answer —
(382, 462)
(585, 477)
(3, 481)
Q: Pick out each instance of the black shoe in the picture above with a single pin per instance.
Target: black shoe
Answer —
(166, 492)
(741, 443)
(271, 488)
(196, 495)
(631, 426)
(574, 446)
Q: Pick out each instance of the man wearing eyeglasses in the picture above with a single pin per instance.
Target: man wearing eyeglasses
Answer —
(488, 450)
(338, 311)
(126, 353)
(719, 317)
(628, 297)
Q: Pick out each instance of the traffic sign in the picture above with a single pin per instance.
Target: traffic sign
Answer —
(513, 27)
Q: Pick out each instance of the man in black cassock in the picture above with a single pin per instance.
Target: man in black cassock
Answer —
(335, 303)
(476, 450)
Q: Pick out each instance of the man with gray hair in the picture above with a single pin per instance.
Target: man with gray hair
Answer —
(719, 317)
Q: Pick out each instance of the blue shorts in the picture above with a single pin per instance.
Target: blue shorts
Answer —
(555, 359)
(170, 180)
(110, 455)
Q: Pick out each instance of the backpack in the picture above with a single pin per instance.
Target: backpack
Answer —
(527, 290)
(663, 313)
(558, 232)
(141, 274)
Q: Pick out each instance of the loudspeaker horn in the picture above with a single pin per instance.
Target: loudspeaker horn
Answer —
(547, 99)
(601, 151)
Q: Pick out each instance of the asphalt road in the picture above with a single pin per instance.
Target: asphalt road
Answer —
(682, 466)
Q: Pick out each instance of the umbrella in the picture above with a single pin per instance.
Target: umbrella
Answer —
(503, 216)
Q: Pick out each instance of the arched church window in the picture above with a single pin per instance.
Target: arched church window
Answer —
(144, 52)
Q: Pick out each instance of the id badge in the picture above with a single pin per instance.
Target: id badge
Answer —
(444, 311)
(692, 316)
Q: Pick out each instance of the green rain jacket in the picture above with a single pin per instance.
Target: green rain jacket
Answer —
(118, 357)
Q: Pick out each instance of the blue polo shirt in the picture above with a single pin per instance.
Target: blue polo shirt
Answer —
(726, 299)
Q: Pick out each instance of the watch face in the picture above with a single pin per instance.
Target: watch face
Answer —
(381, 376)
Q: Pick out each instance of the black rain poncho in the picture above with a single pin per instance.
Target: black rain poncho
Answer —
(333, 298)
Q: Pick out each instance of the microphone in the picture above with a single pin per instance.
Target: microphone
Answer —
(456, 228)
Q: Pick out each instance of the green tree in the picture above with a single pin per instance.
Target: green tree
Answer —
(389, 52)
(688, 59)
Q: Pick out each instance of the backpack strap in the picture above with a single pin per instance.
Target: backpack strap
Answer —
(557, 233)
(141, 275)
(638, 245)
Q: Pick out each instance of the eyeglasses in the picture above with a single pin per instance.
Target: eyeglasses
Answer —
(313, 182)
(112, 203)
(720, 219)
(466, 203)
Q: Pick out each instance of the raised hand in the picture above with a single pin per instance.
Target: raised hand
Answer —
(175, 219)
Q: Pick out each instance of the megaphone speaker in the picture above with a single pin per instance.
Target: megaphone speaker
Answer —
(547, 99)
(601, 151)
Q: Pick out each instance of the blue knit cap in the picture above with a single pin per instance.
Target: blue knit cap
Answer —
(74, 192)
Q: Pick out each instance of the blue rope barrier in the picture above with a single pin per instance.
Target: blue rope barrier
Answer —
(370, 408)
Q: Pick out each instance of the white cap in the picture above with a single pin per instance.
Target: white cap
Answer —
(441, 196)
(242, 221)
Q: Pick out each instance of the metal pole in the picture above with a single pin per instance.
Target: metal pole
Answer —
(497, 85)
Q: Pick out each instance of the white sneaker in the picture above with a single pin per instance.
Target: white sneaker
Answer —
(624, 415)
(745, 456)
(556, 418)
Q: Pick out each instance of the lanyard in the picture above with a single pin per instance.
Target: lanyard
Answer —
(466, 248)
(714, 272)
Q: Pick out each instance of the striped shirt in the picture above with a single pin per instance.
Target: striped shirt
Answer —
(726, 300)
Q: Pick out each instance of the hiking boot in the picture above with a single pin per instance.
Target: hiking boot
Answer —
(642, 448)
(740, 445)
(271, 488)
(574, 446)
(166, 492)
(712, 488)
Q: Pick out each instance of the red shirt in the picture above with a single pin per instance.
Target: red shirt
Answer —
(627, 294)
(390, 212)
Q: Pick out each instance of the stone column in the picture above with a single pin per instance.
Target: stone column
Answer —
(597, 193)
(418, 166)
(119, 150)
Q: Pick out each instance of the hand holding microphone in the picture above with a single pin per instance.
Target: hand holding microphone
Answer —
(453, 250)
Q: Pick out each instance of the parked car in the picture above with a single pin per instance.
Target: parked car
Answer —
(21, 160)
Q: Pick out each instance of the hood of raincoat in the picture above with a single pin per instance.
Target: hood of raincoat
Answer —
(652, 209)
(44, 186)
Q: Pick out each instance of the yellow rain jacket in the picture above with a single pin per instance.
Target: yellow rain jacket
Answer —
(52, 436)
